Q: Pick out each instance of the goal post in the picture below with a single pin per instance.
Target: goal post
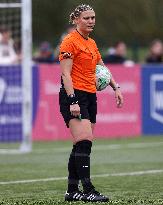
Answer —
(17, 80)
(26, 17)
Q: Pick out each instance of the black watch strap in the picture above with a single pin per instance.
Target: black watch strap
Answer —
(72, 99)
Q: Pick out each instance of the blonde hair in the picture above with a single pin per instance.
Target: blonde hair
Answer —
(78, 10)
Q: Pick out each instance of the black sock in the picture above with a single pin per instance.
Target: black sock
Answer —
(73, 179)
(82, 161)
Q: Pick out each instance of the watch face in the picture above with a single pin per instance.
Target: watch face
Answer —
(72, 95)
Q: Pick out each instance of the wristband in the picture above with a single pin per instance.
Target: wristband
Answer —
(72, 99)
(116, 87)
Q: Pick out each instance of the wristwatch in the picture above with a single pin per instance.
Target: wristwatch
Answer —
(117, 86)
(71, 96)
(72, 99)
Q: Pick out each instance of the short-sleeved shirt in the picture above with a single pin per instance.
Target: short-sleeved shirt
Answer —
(85, 55)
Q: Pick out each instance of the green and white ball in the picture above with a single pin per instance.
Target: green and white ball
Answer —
(103, 77)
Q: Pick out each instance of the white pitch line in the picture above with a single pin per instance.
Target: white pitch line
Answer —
(128, 146)
(137, 173)
(140, 145)
(10, 151)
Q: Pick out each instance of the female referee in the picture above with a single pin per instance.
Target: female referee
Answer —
(78, 57)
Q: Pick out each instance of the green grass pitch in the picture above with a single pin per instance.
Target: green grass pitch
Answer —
(129, 171)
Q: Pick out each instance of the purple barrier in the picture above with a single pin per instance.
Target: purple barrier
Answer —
(10, 104)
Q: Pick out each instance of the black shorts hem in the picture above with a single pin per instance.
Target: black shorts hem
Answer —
(87, 103)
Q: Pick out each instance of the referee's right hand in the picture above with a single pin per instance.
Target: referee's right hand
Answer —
(75, 110)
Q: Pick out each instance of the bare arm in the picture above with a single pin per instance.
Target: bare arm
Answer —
(66, 68)
(113, 84)
(112, 81)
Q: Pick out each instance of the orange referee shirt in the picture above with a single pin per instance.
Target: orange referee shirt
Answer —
(85, 57)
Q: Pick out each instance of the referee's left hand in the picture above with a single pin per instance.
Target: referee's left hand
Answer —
(119, 98)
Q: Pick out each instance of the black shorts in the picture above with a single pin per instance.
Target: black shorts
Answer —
(87, 103)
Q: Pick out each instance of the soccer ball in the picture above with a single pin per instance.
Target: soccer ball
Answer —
(103, 77)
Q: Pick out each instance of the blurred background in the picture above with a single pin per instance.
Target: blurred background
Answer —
(129, 36)
(137, 23)
(127, 162)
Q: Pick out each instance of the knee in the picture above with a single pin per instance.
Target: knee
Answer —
(84, 136)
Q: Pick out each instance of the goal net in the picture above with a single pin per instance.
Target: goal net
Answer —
(15, 76)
